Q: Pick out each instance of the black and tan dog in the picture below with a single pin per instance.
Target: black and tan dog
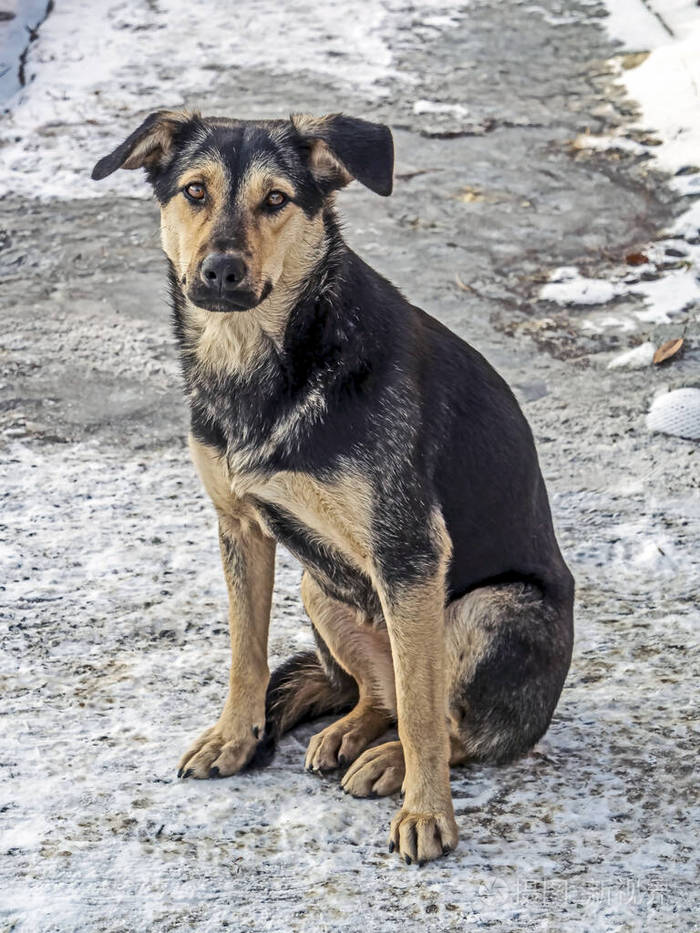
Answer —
(383, 451)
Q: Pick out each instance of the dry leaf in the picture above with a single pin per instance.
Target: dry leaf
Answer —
(668, 350)
(631, 60)
(636, 259)
(461, 285)
(468, 194)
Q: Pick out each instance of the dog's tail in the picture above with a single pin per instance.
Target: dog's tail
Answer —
(301, 689)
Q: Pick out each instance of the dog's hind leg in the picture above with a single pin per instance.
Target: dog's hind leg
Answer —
(508, 649)
(508, 652)
(362, 651)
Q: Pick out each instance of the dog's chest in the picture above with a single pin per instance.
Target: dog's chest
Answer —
(326, 524)
(275, 458)
(325, 521)
(314, 516)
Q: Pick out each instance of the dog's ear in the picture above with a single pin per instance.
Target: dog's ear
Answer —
(147, 147)
(342, 148)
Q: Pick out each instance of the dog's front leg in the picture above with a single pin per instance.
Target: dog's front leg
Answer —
(249, 565)
(425, 826)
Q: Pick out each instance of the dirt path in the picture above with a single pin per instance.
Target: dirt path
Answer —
(112, 606)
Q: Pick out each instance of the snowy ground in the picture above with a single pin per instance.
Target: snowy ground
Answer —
(660, 69)
(525, 174)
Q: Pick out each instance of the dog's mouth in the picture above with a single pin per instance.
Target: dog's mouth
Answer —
(238, 300)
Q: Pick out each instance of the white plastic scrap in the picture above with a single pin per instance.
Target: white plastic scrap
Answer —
(676, 413)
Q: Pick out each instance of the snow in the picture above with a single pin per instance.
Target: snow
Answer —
(666, 85)
(666, 296)
(432, 106)
(568, 287)
(84, 94)
(634, 25)
(635, 358)
(112, 602)
(123, 618)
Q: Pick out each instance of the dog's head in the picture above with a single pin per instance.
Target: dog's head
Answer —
(241, 201)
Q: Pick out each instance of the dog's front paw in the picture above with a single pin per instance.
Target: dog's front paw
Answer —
(220, 751)
(419, 837)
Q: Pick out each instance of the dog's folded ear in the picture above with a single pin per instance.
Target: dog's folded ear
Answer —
(147, 147)
(342, 148)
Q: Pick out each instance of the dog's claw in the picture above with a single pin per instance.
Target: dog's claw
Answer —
(391, 846)
(408, 859)
(187, 773)
(256, 731)
(179, 772)
(214, 772)
(342, 761)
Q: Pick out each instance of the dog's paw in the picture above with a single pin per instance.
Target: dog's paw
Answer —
(219, 751)
(340, 743)
(420, 837)
(377, 773)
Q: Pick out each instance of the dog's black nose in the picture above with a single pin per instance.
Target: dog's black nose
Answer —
(223, 272)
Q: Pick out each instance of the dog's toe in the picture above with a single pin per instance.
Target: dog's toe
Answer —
(378, 772)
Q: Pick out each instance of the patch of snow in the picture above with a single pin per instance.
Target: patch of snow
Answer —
(609, 143)
(598, 324)
(667, 87)
(642, 25)
(634, 25)
(432, 106)
(568, 287)
(668, 295)
(636, 358)
(112, 619)
(687, 226)
(94, 73)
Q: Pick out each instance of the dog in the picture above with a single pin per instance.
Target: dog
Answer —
(382, 450)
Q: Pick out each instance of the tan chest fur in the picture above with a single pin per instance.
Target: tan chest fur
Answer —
(337, 512)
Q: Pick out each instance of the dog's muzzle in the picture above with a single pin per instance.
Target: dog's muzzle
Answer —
(222, 284)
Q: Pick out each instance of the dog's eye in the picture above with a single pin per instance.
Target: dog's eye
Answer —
(195, 192)
(276, 199)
